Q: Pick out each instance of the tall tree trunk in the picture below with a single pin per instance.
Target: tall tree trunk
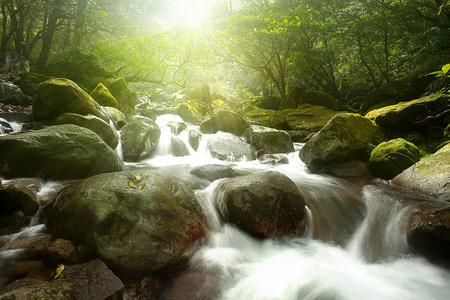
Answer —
(4, 42)
(47, 37)
(79, 22)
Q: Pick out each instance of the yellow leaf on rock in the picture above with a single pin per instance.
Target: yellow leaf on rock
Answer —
(130, 183)
(138, 177)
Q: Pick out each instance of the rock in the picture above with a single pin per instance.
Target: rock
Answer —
(429, 232)
(267, 118)
(320, 99)
(29, 81)
(229, 147)
(198, 286)
(137, 227)
(61, 251)
(170, 144)
(194, 137)
(77, 66)
(397, 118)
(272, 159)
(309, 118)
(139, 138)
(392, 92)
(103, 96)
(56, 152)
(269, 140)
(177, 127)
(116, 116)
(345, 137)
(57, 96)
(97, 125)
(17, 197)
(11, 94)
(390, 158)
(350, 168)
(266, 204)
(147, 288)
(431, 175)
(213, 172)
(269, 102)
(38, 290)
(32, 248)
(224, 120)
(93, 280)
(120, 91)
(192, 111)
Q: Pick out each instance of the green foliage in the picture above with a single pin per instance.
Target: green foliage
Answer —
(444, 72)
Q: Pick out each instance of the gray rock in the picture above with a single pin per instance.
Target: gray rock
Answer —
(38, 290)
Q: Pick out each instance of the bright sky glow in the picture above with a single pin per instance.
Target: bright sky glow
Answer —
(189, 12)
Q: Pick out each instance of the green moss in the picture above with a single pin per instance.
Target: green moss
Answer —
(103, 96)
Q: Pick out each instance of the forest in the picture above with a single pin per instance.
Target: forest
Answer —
(240, 48)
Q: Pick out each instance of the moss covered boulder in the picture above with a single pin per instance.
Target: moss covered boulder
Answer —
(97, 125)
(398, 117)
(29, 81)
(56, 152)
(309, 118)
(116, 116)
(430, 175)
(78, 66)
(345, 137)
(103, 96)
(140, 222)
(319, 98)
(120, 91)
(266, 117)
(390, 158)
(59, 95)
(229, 147)
(139, 138)
(224, 120)
(38, 290)
(269, 140)
(266, 204)
(192, 111)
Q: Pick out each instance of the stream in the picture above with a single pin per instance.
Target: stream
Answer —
(354, 246)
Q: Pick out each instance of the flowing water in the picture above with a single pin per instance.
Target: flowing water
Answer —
(354, 245)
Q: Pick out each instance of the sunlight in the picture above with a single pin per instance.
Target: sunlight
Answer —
(189, 12)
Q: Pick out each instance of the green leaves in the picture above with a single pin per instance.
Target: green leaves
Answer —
(444, 72)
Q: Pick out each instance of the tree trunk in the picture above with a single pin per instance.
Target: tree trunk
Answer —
(47, 37)
(79, 22)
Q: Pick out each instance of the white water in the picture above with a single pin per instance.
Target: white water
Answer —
(354, 246)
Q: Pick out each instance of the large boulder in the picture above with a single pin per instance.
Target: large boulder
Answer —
(390, 158)
(430, 175)
(192, 111)
(11, 94)
(103, 96)
(345, 137)
(29, 81)
(97, 125)
(269, 140)
(398, 117)
(57, 96)
(213, 172)
(309, 118)
(78, 66)
(267, 118)
(224, 120)
(38, 290)
(139, 137)
(428, 232)
(228, 147)
(57, 152)
(116, 116)
(269, 102)
(319, 98)
(266, 204)
(122, 93)
(138, 222)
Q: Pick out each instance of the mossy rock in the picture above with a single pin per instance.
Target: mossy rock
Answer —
(29, 81)
(270, 102)
(115, 115)
(269, 140)
(319, 98)
(192, 111)
(78, 66)
(59, 95)
(431, 175)
(11, 94)
(103, 96)
(97, 125)
(392, 93)
(56, 152)
(345, 137)
(267, 118)
(120, 91)
(390, 158)
(38, 290)
(139, 222)
(224, 120)
(308, 117)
